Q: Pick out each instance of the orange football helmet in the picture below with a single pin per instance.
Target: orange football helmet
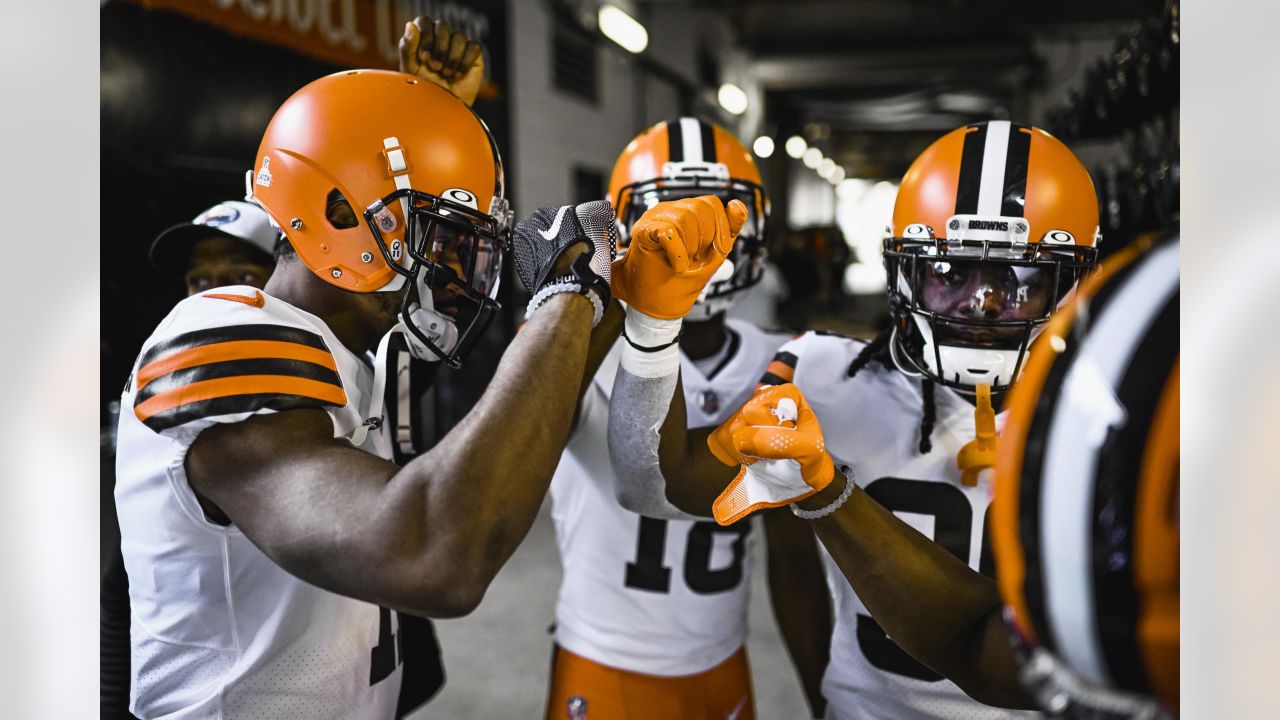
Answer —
(1085, 525)
(993, 226)
(423, 171)
(687, 157)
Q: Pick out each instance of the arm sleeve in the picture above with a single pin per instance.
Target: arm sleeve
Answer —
(638, 406)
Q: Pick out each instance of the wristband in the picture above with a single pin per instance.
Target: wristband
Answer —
(835, 504)
(651, 349)
(566, 284)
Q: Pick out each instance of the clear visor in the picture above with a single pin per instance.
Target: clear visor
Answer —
(454, 257)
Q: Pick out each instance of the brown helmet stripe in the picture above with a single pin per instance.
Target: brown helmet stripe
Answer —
(975, 143)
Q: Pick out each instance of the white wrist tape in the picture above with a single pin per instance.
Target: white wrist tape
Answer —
(556, 288)
(649, 348)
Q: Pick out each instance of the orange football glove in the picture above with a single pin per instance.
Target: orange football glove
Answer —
(676, 246)
(778, 441)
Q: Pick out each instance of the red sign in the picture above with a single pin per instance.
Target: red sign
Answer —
(350, 33)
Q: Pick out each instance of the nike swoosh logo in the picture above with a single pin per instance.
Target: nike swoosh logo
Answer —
(257, 301)
(555, 226)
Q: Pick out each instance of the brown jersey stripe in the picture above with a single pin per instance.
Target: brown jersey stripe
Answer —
(781, 370)
(771, 379)
(232, 333)
(233, 350)
(236, 368)
(241, 385)
(230, 405)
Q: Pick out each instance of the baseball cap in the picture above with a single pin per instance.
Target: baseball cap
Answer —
(242, 221)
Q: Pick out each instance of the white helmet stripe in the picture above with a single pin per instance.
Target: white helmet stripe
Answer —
(691, 137)
(994, 154)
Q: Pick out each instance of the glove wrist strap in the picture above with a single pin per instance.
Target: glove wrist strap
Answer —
(834, 505)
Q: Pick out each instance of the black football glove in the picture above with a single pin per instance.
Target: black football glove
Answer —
(540, 239)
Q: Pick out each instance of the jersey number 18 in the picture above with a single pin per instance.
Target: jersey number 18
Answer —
(647, 572)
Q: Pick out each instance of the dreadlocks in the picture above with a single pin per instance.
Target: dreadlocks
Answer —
(877, 350)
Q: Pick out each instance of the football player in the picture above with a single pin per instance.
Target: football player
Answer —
(651, 615)
(1084, 520)
(993, 225)
(267, 539)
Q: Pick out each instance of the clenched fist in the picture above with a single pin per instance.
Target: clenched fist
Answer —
(436, 52)
(676, 246)
(777, 440)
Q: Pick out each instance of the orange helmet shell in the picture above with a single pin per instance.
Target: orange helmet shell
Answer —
(366, 133)
(999, 169)
(674, 141)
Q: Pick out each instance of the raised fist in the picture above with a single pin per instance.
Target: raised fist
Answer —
(433, 51)
(676, 246)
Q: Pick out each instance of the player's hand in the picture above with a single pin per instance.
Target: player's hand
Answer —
(777, 440)
(676, 246)
(433, 51)
(547, 245)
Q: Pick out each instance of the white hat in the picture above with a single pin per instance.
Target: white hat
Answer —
(243, 221)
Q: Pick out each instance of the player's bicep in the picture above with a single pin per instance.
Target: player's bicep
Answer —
(302, 496)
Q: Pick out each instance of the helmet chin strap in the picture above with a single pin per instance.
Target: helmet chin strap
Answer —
(441, 329)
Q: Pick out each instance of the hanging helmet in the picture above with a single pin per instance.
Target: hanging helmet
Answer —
(688, 157)
(423, 182)
(1085, 516)
(993, 225)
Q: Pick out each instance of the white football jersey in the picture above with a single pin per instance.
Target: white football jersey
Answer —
(218, 630)
(660, 597)
(871, 423)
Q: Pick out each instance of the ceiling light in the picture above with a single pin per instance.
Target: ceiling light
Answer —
(795, 146)
(732, 98)
(826, 167)
(763, 146)
(837, 176)
(622, 28)
(812, 158)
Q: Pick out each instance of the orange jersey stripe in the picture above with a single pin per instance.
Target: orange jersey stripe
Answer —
(241, 385)
(234, 350)
(782, 370)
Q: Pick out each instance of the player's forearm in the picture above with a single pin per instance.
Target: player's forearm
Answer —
(489, 475)
(933, 605)
(801, 603)
(603, 338)
(694, 478)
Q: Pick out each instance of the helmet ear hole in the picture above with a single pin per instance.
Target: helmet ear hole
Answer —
(338, 211)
